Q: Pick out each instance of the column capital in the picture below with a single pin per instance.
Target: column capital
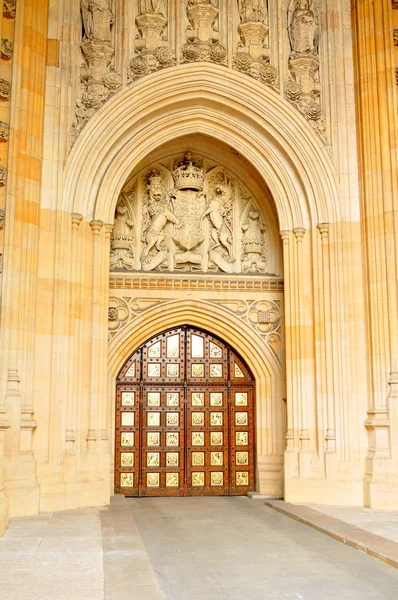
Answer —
(96, 227)
(108, 229)
(323, 230)
(299, 233)
(285, 235)
(76, 220)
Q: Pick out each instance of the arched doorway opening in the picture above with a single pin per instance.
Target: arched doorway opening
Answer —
(184, 418)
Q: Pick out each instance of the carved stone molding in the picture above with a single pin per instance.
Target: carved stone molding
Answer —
(165, 281)
(2, 218)
(4, 131)
(9, 8)
(7, 49)
(122, 311)
(3, 176)
(5, 89)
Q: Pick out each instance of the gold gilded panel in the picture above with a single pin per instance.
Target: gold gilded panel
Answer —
(172, 370)
(216, 438)
(242, 478)
(240, 398)
(131, 370)
(197, 399)
(153, 438)
(173, 346)
(153, 419)
(216, 398)
(215, 351)
(216, 418)
(198, 370)
(172, 438)
(197, 347)
(172, 418)
(128, 438)
(242, 458)
(153, 369)
(127, 459)
(242, 438)
(153, 459)
(172, 459)
(198, 438)
(153, 399)
(172, 398)
(152, 479)
(216, 370)
(128, 398)
(198, 459)
(198, 418)
(154, 350)
(216, 458)
(238, 371)
(127, 480)
(241, 418)
(198, 479)
(172, 479)
(217, 478)
(127, 419)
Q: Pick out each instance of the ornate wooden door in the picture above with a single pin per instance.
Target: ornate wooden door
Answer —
(184, 419)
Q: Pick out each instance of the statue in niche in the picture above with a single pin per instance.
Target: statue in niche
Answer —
(157, 212)
(97, 19)
(254, 251)
(153, 7)
(303, 27)
(219, 211)
(122, 240)
(251, 11)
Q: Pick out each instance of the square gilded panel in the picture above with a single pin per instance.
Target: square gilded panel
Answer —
(216, 398)
(216, 458)
(217, 478)
(172, 438)
(238, 371)
(128, 398)
(198, 370)
(216, 370)
(127, 418)
(242, 478)
(153, 419)
(215, 351)
(198, 438)
(240, 398)
(127, 480)
(127, 459)
(197, 399)
(172, 479)
(198, 418)
(131, 370)
(172, 459)
(173, 346)
(172, 370)
(242, 438)
(153, 459)
(216, 418)
(241, 418)
(216, 438)
(242, 458)
(154, 350)
(153, 369)
(197, 346)
(153, 398)
(198, 459)
(128, 439)
(198, 479)
(172, 418)
(152, 479)
(172, 398)
(153, 438)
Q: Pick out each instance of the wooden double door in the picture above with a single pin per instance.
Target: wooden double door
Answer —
(184, 418)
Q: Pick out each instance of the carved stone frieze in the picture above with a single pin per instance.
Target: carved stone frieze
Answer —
(5, 89)
(9, 8)
(4, 131)
(174, 281)
(7, 49)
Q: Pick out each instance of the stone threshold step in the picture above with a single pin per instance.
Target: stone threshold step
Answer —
(370, 543)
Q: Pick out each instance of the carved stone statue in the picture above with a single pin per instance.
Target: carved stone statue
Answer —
(122, 240)
(219, 211)
(97, 18)
(303, 27)
(251, 11)
(157, 212)
(254, 251)
(153, 6)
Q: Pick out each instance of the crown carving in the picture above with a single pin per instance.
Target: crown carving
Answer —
(188, 174)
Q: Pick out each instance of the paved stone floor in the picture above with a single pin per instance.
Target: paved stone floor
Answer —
(183, 549)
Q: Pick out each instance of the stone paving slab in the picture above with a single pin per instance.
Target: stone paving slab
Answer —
(375, 545)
